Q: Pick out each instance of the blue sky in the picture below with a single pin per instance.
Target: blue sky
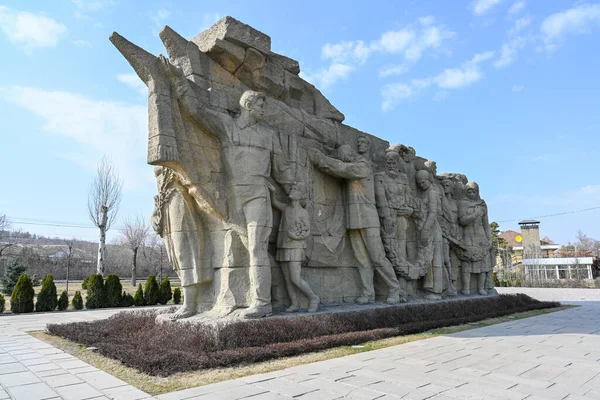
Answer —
(505, 91)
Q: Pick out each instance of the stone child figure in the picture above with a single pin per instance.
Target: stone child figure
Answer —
(177, 220)
(430, 238)
(362, 219)
(294, 229)
(477, 236)
(393, 194)
(251, 154)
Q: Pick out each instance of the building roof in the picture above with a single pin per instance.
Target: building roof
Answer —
(529, 222)
(510, 237)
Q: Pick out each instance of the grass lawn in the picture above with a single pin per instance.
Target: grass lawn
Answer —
(76, 286)
(155, 385)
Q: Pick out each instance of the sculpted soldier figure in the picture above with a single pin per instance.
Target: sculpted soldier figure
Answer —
(477, 236)
(430, 238)
(251, 154)
(393, 195)
(362, 220)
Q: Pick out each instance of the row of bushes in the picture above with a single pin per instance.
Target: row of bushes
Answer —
(138, 341)
(101, 293)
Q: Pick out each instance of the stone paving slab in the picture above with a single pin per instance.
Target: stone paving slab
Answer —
(553, 356)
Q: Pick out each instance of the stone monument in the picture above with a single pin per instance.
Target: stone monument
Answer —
(241, 143)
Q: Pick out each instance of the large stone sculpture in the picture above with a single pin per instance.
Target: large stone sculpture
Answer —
(362, 218)
(233, 129)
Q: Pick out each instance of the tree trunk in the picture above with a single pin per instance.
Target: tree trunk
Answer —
(134, 268)
(102, 243)
(68, 268)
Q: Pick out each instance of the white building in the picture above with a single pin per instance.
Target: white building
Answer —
(558, 268)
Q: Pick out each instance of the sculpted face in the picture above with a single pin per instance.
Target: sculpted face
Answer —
(295, 193)
(448, 186)
(257, 108)
(472, 193)
(391, 162)
(407, 155)
(423, 182)
(363, 145)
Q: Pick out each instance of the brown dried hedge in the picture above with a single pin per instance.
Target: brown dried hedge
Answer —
(137, 341)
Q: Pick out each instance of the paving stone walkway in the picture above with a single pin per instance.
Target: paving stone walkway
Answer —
(553, 356)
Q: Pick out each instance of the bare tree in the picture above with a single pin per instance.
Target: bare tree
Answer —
(158, 253)
(103, 204)
(4, 227)
(134, 235)
(68, 250)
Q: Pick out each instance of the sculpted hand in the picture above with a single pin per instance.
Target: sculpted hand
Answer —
(388, 224)
(405, 211)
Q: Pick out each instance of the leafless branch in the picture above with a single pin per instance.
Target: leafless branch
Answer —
(134, 232)
(105, 195)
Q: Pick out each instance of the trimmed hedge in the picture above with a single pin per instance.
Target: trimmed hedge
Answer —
(127, 300)
(165, 291)
(21, 300)
(164, 349)
(138, 298)
(77, 301)
(63, 301)
(112, 290)
(46, 299)
(151, 291)
(96, 294)
(177, 295)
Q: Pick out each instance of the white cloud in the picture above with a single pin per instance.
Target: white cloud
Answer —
(517, 88)
(411, 42)
(82, 43)
(508, 53)
(481, 7)
(451, 78)
(394, 93)
(30, 31)
(134, 82)
(325, 77)
(574, 21)
(516, 8)
(392, 70)
(99, 127)
(516, 41)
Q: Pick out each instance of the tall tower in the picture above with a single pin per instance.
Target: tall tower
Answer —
(530, 231)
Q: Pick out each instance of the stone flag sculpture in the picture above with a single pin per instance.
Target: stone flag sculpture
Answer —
(236, 136)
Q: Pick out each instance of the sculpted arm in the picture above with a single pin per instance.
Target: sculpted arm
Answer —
(465, 218)
(211, 120)
(431, 212)
(346, 170)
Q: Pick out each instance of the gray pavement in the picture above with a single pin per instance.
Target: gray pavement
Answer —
(553, 356)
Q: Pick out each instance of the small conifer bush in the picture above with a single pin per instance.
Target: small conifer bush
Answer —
(138, 298)
(63, 301)
(151, 291)
(77, 301)
(46, 300)
(126, 300)
(21, 300)
(2, 303)
(177, 295)
(165, 291)
(96, 296)
(85, 283)
(12, 273)
(113, 289)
